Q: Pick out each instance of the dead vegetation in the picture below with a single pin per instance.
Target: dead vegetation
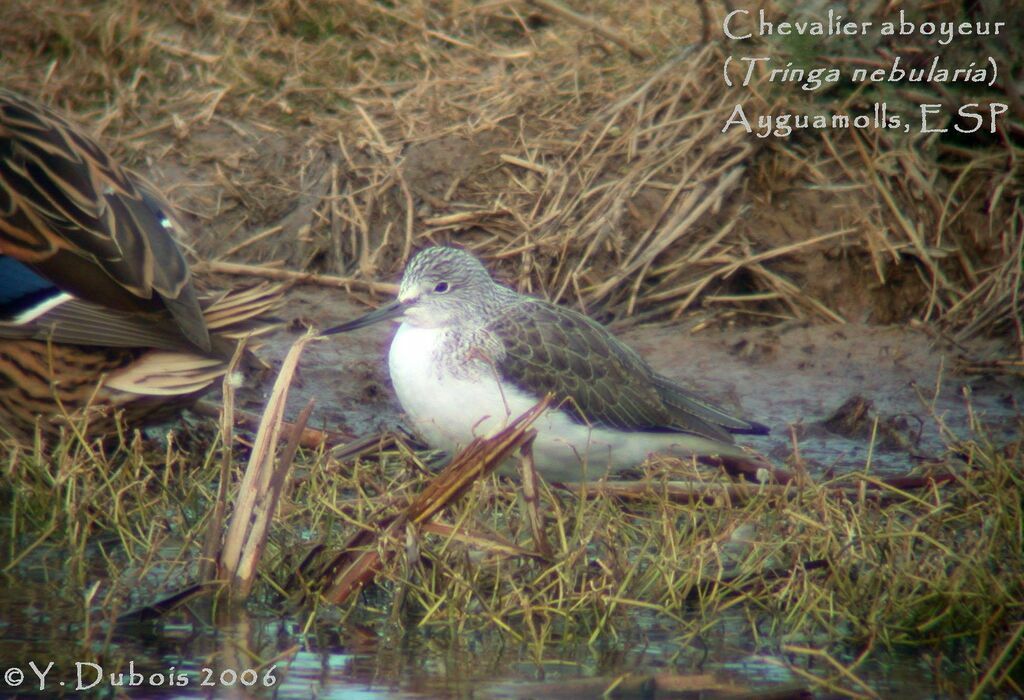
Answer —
(837, 571)
(324, 142)
(339, 138)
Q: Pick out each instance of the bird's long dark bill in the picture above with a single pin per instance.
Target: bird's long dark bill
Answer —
(384, 313)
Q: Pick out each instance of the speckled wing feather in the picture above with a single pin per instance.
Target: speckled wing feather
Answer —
(602, 381)
(78, 218)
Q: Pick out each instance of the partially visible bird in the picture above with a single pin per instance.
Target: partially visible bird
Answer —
(98, 308)
(470, 355)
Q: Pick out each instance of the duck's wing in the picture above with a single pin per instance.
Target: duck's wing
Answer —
(72, 213)
(32, 307)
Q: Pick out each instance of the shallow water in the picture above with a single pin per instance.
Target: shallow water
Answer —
(188, 654)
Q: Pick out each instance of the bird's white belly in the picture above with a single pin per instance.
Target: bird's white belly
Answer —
(449, 409)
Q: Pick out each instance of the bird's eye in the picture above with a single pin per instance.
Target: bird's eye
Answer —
(441, 287)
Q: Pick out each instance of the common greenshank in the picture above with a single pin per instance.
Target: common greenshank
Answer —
(470, 355)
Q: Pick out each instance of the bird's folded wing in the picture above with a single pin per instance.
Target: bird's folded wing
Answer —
(600, 380)
(231, 315)
(683, 403)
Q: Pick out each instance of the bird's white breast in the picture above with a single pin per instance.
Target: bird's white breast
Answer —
(448, 407)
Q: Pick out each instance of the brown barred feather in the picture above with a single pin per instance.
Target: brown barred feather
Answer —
(51, 384)
(72, 213)
(137, 337)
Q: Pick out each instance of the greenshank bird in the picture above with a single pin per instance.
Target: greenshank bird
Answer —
(471, 355)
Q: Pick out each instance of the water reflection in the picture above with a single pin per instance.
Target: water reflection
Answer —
(197, 652)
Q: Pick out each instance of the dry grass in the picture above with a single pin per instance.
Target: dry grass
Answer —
(325, 141)
(339, 138)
